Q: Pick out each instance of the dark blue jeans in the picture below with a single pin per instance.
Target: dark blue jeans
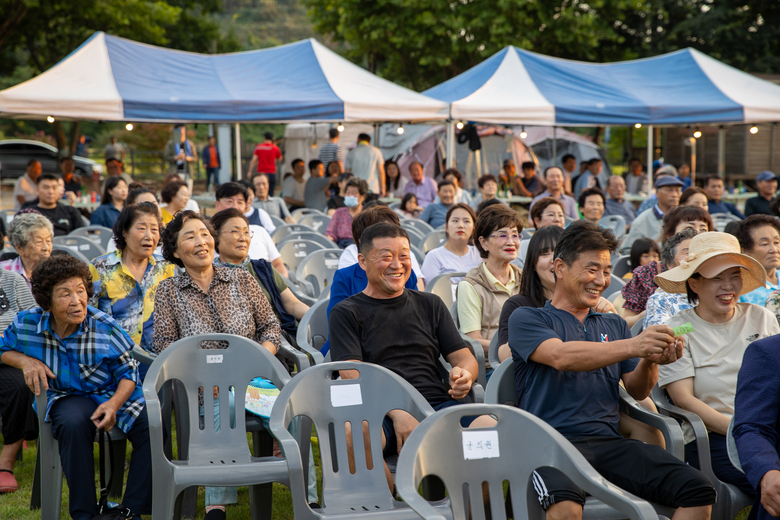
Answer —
(72, 427)
(211, 177)
(721, 465)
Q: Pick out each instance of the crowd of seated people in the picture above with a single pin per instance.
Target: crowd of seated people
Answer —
(171, 272)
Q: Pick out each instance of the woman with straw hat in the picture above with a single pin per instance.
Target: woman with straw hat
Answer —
(704, 379)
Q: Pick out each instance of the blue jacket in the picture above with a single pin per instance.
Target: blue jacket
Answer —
(757, 413)
(349, 281)
(206, 157)
(723, 207)
(104, 215)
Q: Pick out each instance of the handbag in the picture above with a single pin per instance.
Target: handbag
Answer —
(106, 512)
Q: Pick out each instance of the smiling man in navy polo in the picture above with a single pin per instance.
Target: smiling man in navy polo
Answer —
(570, 361)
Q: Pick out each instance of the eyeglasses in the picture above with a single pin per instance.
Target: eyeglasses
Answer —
(515, 237)
(237, 235)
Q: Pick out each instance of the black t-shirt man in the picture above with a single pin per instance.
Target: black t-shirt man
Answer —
(406, 334)
(64, 218)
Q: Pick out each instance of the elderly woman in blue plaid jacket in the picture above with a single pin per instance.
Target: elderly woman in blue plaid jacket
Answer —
(81, 357)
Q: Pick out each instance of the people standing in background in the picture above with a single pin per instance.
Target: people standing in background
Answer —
(71, 182)
(337, 200)
(636, 180)
(507, 175)
(82, 148)
(590, 178)
(394, 182)
(265, 158)
(569, 170)
(182, 156)
(114, 150)
(317, 190)
(366, 162)
(684, 174)
(766, 182)
(212, 162)
(424, 188)
(331, 151)
(26, 187)
(294, 186)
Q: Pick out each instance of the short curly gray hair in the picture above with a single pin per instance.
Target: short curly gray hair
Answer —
(670, 247)
(23, 225)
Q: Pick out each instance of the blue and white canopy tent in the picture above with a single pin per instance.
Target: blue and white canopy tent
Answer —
(113, 79)
(517, 87)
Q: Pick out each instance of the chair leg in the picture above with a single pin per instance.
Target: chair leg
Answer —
(48, 495)
(261, 495)
(189, 498)
(35, 495)
(164, 501)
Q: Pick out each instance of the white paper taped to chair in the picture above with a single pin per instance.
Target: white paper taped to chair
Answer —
(480, 444)
(214, 358)
(345, 395)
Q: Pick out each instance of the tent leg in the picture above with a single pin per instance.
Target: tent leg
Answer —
(649, 156)
(554, 161)
(239, 175)
(224, 143)
(721, 152)
(478, 157)
(450, 144)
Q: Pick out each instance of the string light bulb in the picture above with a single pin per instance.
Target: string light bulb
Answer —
(638, 125)
(400, 129)
(697, 134)
(754, 130)
(129, 127)
(340, 128)
(523, 133)
(50, 119)
(459, 125)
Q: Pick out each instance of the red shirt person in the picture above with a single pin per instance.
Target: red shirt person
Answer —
(265, 157)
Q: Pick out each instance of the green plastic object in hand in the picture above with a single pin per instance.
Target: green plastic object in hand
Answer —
(685, 328)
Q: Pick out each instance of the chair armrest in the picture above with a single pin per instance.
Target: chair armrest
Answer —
(675, 444)
(699, 430)
(479, 353)
(290, 353)
(493, 352)
(476, 394)
(142, 356)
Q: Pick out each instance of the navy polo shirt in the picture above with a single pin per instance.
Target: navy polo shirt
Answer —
(577, 404)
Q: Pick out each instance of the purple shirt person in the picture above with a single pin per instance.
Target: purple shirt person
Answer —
(424, 188)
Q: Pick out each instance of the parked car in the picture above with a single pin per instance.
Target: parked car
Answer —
(16, 153)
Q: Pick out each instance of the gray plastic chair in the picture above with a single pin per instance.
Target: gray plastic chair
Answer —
(617, 223)
(285, 229)
(721, 220)
(81, 244)
(215, 459)
(293, 252)
(277, 222)
(527, 234)
(615, 285)
(442, 286)
(730, 499)
(434, 239)
(318, 222)
(621, 266)
(299, 213)
(476, 347)
(318, 269)
(311, 236)
(415, 237)
(100, 235)
(8, 215)
(436, 447)
(417, 253)
(71, 251)
(422, 227)
(47, 483)
(731, 447)
(637, 328)
(312, 396)
(313, 331)
(493, 352)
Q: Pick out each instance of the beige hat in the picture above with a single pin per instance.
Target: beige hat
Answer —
(709, 255)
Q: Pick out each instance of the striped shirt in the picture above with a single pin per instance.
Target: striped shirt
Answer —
(129, 302)
(330, 152)
(15, 296)
(89, 363)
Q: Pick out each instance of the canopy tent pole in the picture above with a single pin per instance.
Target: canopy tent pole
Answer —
(450, 144)
(376, 135)
(555, 148)
(721, 153)
(649, 157)
(238, 152)
(224, 143)
(693, 160)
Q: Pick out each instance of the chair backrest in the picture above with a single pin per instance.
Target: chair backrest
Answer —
(8, 215)
(415, 237)
(501, 387)
(83, 245)
(493, 351)
(277, 221)
(198, 368)
(286, 229)
(98, 234)
(330, 404)
(313, 329)
(312, 236)
(527, 234)
(636, 328)
(443, 287)
(299, 213)
(731, 447)
(294, 251)
(617, 223)
(318, 269)
(418, 254)
(318, 222)
(71, 251)
(434, 239)
(621, 266)
(465, 458)
(418, 225)
(395, 205)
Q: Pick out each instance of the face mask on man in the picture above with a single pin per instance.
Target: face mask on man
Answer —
(350, 201)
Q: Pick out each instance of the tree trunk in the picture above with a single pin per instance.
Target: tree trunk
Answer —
(62, 139)
(12, 20)
(75, 133)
